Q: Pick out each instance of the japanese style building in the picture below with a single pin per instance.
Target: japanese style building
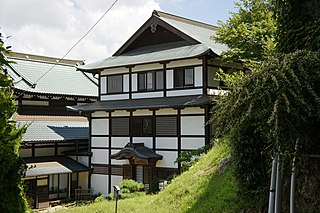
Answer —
(154, 100)
(55, 145)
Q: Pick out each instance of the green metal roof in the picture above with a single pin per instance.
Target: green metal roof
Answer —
(62, 79)
(198, 32)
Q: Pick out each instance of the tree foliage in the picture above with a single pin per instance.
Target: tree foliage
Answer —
(248, 33)
(11, 165)
(298, 25)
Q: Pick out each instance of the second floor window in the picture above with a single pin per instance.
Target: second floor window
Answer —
(150, 81)
(183, 77)
(115, 84)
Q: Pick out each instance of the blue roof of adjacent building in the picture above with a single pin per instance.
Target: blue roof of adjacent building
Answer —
(46, 75)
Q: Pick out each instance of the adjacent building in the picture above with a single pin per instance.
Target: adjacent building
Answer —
(55, 145)
(154, 100)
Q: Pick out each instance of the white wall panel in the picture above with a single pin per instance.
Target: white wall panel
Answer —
(219, 92)
(119, 142)
(186, 62)
(167, 143)
(25, 153)
(44, 152)
(125, 83)
(100, 142)
(99, 184)
(120, 113)
(115, 180)
(63, 149)
(114, 97)
(184, 92)
(142, 112)
(146, 140)
(169, 79)
(168, 159)
(192, 110)
(198, 76)
(134, 77)
(192, 125)
(99, 114)
(147, 95)
(112, 71)
(83, 160)
(99, 126)
(192, 143)
(166, 111)
(103, 84)
(147, 67)
(100, 156)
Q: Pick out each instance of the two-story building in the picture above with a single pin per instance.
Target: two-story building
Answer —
(55, 145)
(154, 100)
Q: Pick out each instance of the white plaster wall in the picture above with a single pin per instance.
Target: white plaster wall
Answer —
(44, 152)
(62, 149)
(186, 62)
(100, 156)
(166, 111)
(147, 95)
(184, 92)
(167, 143)
(24, 153)
(114, 97)
(35, 103)
(118, 113)
(125, 83)
(168, 159)
(99, 184)
(218, 92)
(99, 126)
(118, 162)
(115, 180)
(83, 160)
(83, 180)
(103, 84)
(147, 67)
(99, 114)
(192, 143)
(99, 142)
(198, 76)
(119, 142)
(112, 71)
(142, 112)
(192, 110)
(134, 78)
(192, 125)
(169, 79)
(146, 140)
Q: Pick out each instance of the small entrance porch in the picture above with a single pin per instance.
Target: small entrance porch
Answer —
(142, 162)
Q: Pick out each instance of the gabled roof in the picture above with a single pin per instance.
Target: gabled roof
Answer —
(49, 76)
(54, 128)
(136, 150)
(158, 39)
(145, 103)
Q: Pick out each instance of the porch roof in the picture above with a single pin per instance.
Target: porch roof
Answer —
(146, 103)
(138, 150)
(50, 165)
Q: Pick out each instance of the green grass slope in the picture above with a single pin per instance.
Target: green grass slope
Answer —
(200, 189)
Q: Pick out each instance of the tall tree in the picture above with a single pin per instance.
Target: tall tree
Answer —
(249, 32)
(12, 197)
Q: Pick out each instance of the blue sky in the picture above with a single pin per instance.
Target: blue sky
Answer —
(208, 11)
(51, 28)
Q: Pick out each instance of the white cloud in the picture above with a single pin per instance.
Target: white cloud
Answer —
(52, 27)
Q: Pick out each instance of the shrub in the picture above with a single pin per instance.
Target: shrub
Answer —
(129, 186)
(100, 198)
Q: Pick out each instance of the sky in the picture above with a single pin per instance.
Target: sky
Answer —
(52, 27)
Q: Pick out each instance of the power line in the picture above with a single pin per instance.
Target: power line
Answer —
(65, 55)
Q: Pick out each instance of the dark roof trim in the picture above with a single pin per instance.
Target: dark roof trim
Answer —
(153, 19)
(146, 103)
(136, 150)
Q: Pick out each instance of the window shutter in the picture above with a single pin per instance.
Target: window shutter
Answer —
(166, 126)
(127, 171)
(148, 174)
(120, 126)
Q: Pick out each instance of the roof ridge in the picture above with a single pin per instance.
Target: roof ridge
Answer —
(183, 19)
(44, 59)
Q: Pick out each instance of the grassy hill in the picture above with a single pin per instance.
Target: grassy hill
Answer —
(200, 189)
